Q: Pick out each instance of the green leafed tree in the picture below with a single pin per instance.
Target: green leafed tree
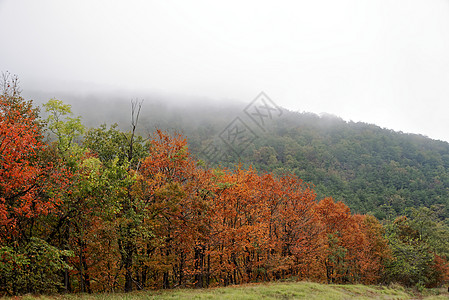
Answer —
(420, 249)
(61, 123)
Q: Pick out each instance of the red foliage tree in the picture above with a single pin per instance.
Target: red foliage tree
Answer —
(28, 184)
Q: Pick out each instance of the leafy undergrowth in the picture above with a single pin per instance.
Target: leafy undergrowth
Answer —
(284, 290)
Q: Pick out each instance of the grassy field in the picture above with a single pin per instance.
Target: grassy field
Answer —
(292, 290)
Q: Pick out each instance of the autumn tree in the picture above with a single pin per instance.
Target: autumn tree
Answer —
(376, 253)
(296, 233)
(29, 191)
(171, 193)
(239, 226)
(20, 170)
(356, 250)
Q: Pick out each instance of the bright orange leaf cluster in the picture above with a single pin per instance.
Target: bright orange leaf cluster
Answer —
(28, 185)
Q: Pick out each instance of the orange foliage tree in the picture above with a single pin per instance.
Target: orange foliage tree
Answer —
(171, 193)
(355, 249)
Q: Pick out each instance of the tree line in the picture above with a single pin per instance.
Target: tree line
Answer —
(105, 210)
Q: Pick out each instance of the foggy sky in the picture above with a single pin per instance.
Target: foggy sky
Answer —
(381, 61)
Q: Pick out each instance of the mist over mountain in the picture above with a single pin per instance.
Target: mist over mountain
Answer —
(166, 112)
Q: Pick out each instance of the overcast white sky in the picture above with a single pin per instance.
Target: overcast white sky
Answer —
(380, 61)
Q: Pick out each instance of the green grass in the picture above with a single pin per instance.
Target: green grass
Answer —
(280, 290)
